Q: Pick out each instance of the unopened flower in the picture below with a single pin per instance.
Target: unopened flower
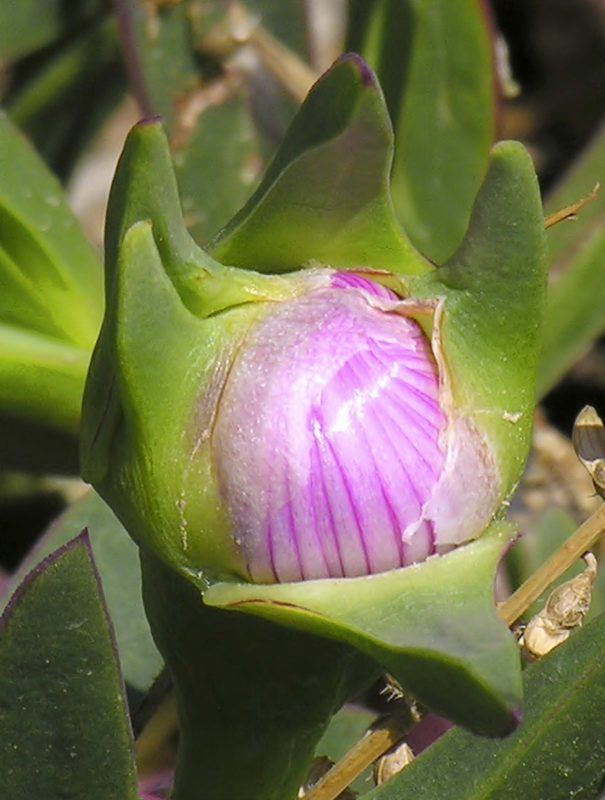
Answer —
(297, 443)
(337, 450)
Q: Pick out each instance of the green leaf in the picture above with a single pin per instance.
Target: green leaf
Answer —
(29, 24)
(41, 379)
(50, 294)
(65, 95)
(558, 751)
(325, 196)
(575, 314)
(436, 66)
(145, 190)
(65, 731)
(50, 277)
(117, 560)
(213, 138)
(433, 626)
(494, 292)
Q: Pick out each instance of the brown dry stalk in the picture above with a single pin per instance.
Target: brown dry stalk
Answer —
(569, 212)
(567, 554)
(241, 31)
(376, 741)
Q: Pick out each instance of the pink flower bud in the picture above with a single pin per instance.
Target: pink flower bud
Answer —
(338, 448)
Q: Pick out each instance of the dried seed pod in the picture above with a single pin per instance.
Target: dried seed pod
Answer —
(589, 443)
(392, 762)
(564, 610)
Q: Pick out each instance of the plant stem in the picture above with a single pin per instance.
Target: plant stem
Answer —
(570, 551)
(253, 697)
(376, 741)
(570, 212)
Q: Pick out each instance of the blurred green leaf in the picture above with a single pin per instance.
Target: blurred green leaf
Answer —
(62, 713)
(41, 379)
(576, 298)
(117, 560)
(212, 136)
(46, 261)
(51, 300)
(558, 752)
(325, 196)
(61, 97)
(29, 25)
(433, 626)
(436, 67)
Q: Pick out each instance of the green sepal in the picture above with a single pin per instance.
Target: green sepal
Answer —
(493, 294)
(150, 400)
(433, 626)
(325, 196)
(149, 404)
(145, 189)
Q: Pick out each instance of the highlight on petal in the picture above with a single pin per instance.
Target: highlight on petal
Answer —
(331, 444)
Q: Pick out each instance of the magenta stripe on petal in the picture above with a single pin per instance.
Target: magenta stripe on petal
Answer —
(327, 441)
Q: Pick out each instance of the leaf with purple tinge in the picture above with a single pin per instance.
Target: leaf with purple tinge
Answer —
(62, 708)
(117, 561)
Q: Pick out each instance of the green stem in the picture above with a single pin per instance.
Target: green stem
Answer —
(253, 698)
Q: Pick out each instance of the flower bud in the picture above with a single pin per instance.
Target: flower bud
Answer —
(257, 427)
(336, 447)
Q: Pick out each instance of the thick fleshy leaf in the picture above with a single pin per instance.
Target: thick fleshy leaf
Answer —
(493, 291)
(325, 196)
(557, 752)
(433, 626)
(575, 313)
(62, 714)
(130, 396)
(436, 67)
(145, 189)
(117, 560)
